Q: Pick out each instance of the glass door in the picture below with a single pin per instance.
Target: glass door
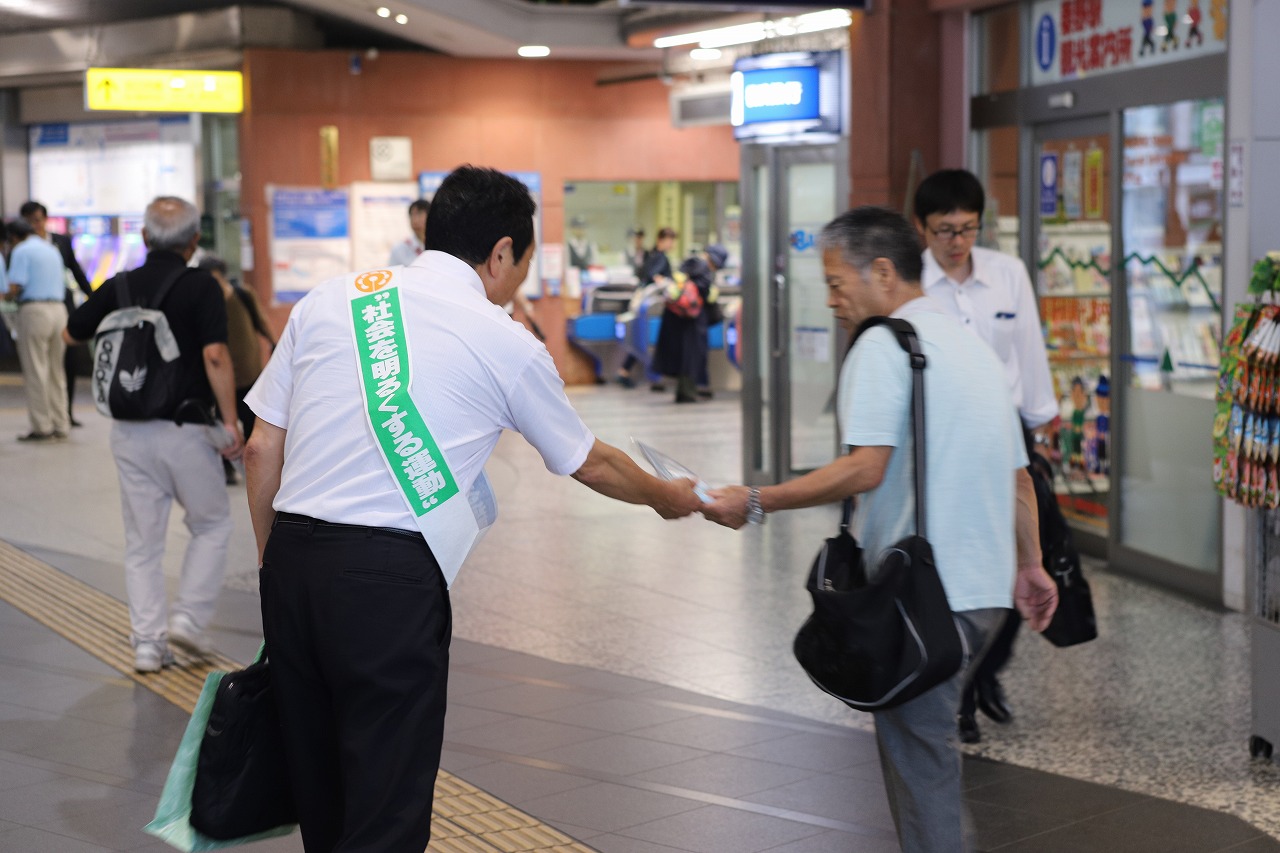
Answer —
(791, 341)
(1073, 270)
(1172, 226)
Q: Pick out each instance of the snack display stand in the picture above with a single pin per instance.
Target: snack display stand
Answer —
(1246, 435)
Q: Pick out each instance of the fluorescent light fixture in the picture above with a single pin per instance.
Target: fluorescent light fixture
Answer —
(534, 50)
(813, 22)
(704, 53)
(384, 12)
(402, 19)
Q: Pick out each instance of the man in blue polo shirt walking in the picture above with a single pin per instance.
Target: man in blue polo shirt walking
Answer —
(37, 283)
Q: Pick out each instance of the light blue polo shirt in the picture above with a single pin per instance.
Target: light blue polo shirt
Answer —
(36, 264)
(973, 446)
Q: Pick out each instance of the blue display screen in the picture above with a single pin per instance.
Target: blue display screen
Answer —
(777, 94)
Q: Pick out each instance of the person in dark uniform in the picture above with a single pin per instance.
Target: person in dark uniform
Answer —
(36, 213)
(656, 265)
(681, 351)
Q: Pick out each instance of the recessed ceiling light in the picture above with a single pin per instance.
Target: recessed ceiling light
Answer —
(534, 50)
(384, 12)
(704, 53)
(402, 19)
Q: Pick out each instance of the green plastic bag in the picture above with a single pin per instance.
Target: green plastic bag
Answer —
(172, 821)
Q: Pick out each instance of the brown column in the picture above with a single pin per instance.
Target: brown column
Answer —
(894, 51)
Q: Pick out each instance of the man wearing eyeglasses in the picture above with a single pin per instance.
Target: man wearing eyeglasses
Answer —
(990, 293)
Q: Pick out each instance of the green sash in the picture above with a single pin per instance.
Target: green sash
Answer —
(452, 526)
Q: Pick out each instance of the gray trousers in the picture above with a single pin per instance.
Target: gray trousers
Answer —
(40, 349)
(919, 757)
(160, 462)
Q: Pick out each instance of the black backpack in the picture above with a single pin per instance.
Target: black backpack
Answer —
(137, 373)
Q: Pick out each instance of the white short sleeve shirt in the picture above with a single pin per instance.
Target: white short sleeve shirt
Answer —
(973, 449)
(998, 304)
(484, 371)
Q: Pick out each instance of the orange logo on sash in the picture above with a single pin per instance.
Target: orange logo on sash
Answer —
(371, 281)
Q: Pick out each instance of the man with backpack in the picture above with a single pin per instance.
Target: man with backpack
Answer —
(160, 363)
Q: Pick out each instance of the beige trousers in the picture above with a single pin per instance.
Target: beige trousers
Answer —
(40, 349)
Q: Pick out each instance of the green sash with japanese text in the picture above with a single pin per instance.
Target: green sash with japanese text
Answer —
(451, 522)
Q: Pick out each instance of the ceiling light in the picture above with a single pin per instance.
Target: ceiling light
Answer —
(534, 50)
(384, 12)
(402, 19)
(704, 53)
(759, 30)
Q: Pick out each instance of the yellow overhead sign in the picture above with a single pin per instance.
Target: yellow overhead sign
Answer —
(161, 90)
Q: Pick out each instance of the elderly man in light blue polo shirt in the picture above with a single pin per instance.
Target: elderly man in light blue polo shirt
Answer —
(37, 283)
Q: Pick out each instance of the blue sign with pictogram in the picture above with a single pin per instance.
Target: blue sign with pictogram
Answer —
(1046, 42)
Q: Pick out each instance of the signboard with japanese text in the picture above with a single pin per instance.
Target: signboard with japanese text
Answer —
(156, 90)
(310, 238)
(1073, 39)
(112, 168)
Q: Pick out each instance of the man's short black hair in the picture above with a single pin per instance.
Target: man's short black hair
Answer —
(476, 207)
(419, 204)
(865, 233)
(947, 191)
(31, 207)
(20, 229)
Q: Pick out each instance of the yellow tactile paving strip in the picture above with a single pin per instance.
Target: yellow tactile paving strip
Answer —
(465, 819)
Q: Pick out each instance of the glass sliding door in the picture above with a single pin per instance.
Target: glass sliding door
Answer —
(1073, 268)
(1172, 226)
(791, 342)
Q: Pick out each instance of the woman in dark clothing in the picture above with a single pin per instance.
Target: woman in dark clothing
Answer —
(681, 351)
(654, 265)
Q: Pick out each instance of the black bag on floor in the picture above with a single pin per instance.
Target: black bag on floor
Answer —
(875, 644)
(242, 781)
(1074, 621)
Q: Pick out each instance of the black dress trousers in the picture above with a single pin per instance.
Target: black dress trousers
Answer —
(357, 624)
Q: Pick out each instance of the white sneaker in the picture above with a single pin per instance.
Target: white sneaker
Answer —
(184, 634)
(151, 657)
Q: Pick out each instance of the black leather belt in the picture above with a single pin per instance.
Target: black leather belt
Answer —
(295, 518)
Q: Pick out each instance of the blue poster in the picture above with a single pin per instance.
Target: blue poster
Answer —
(1048, 184)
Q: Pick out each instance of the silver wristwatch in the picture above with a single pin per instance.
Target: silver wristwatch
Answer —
(755, 512)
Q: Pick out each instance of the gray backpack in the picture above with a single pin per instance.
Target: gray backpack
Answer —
(137, 375)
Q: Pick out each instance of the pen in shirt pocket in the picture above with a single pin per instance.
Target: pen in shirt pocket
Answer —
(1005, 315)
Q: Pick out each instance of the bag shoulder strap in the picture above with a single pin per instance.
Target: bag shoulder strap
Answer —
(167, 285)
(122, 290)
(905, 334)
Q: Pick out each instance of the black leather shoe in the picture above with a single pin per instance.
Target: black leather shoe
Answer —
(967, 728)
(991, 701)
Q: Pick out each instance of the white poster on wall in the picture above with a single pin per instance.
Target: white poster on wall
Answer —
(379, 221)
(310, 238)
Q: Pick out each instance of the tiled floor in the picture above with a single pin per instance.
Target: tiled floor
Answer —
(629, 681)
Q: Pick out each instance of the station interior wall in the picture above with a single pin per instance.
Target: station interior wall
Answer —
(544, 116)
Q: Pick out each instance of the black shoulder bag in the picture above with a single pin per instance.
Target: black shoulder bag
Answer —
(878, 639)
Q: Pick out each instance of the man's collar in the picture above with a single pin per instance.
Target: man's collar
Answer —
(933, 275)
(453, 269)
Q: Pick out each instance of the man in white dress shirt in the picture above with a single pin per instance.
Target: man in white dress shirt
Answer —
(367, 490)
(403, 253)
(990, 293)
